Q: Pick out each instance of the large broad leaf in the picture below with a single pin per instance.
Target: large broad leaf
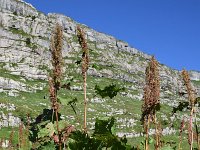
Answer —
(62, 125)
(185, 105)
(48, 146)
(104, 126)
(197, 101)
(72, 103)
(107, 139)
(151, 140)
(104, 130)
(113, 129)
(181, 106)
(80, 140)
(47, 115)
(102, 137)
(109, 91)
(167, 148)
(47, 131)
(120, 146)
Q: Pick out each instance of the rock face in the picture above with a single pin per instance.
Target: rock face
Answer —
(25, 56)
(9, 119)
(24, 47)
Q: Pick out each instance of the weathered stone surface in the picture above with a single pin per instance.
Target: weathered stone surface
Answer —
(195, 75)
(25, 37)
(8, 84)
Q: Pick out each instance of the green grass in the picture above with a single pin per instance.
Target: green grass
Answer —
(34, 103)
(7, 74)
(6, 131)
(168, 140)
(197, 83)
(18, 31)
(43, 67)
(27, 103)
(31, 103)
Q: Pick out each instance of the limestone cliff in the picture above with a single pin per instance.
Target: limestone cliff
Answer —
(25, 57)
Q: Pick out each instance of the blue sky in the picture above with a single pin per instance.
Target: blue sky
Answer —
(168, 29)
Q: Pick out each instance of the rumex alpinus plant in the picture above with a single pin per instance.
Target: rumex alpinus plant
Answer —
(158, 135)
(1, 142)
(192, 99)
(56, 76)
(20, 135)
(23, 133)
(151, 100)
(85, 63)
(180, 133)
(11, 139)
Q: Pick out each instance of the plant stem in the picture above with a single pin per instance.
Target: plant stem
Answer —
(55, 82)
(85, 64)
(57, 124)
(180, 142)
(85, 102)
(156, 132)
(191, 130)
(147, 133)
(59, 135)
(196, 127)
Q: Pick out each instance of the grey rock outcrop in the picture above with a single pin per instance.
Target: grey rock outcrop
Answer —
(25, 57)
(25, 40)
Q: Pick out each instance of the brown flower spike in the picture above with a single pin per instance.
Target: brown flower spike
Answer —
(151, 90)
(85, 55)
(85, 64)
(56, 51)
(151, 100)
(56, 76)
(190, 91)
(191, 98)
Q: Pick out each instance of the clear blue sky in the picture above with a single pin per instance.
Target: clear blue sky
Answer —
(168, 29)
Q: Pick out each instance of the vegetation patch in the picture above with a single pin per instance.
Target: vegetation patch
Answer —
(18, 31)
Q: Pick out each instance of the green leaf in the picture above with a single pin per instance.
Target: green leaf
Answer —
(181, 106)
(47, 131)
(167, 148)
(59, 100)
(72, 103)
(49, 146)
(113, 129)
(81, 141)
(62, 124)
(109, 91)
(151, 140)
(104, 126)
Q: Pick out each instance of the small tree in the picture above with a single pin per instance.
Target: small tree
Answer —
(151, 100)
(85, 64)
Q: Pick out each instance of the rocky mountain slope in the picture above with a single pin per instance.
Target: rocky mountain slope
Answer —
(25, 61)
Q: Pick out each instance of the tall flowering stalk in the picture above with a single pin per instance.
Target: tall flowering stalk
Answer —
(85, 64)
(191, 98)
(190, 133)
(180, 133)
(151, 99)
(197, 132)
(158, 135)
(56, 76)
(21, 137)
(11, 139)
(56, 51)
